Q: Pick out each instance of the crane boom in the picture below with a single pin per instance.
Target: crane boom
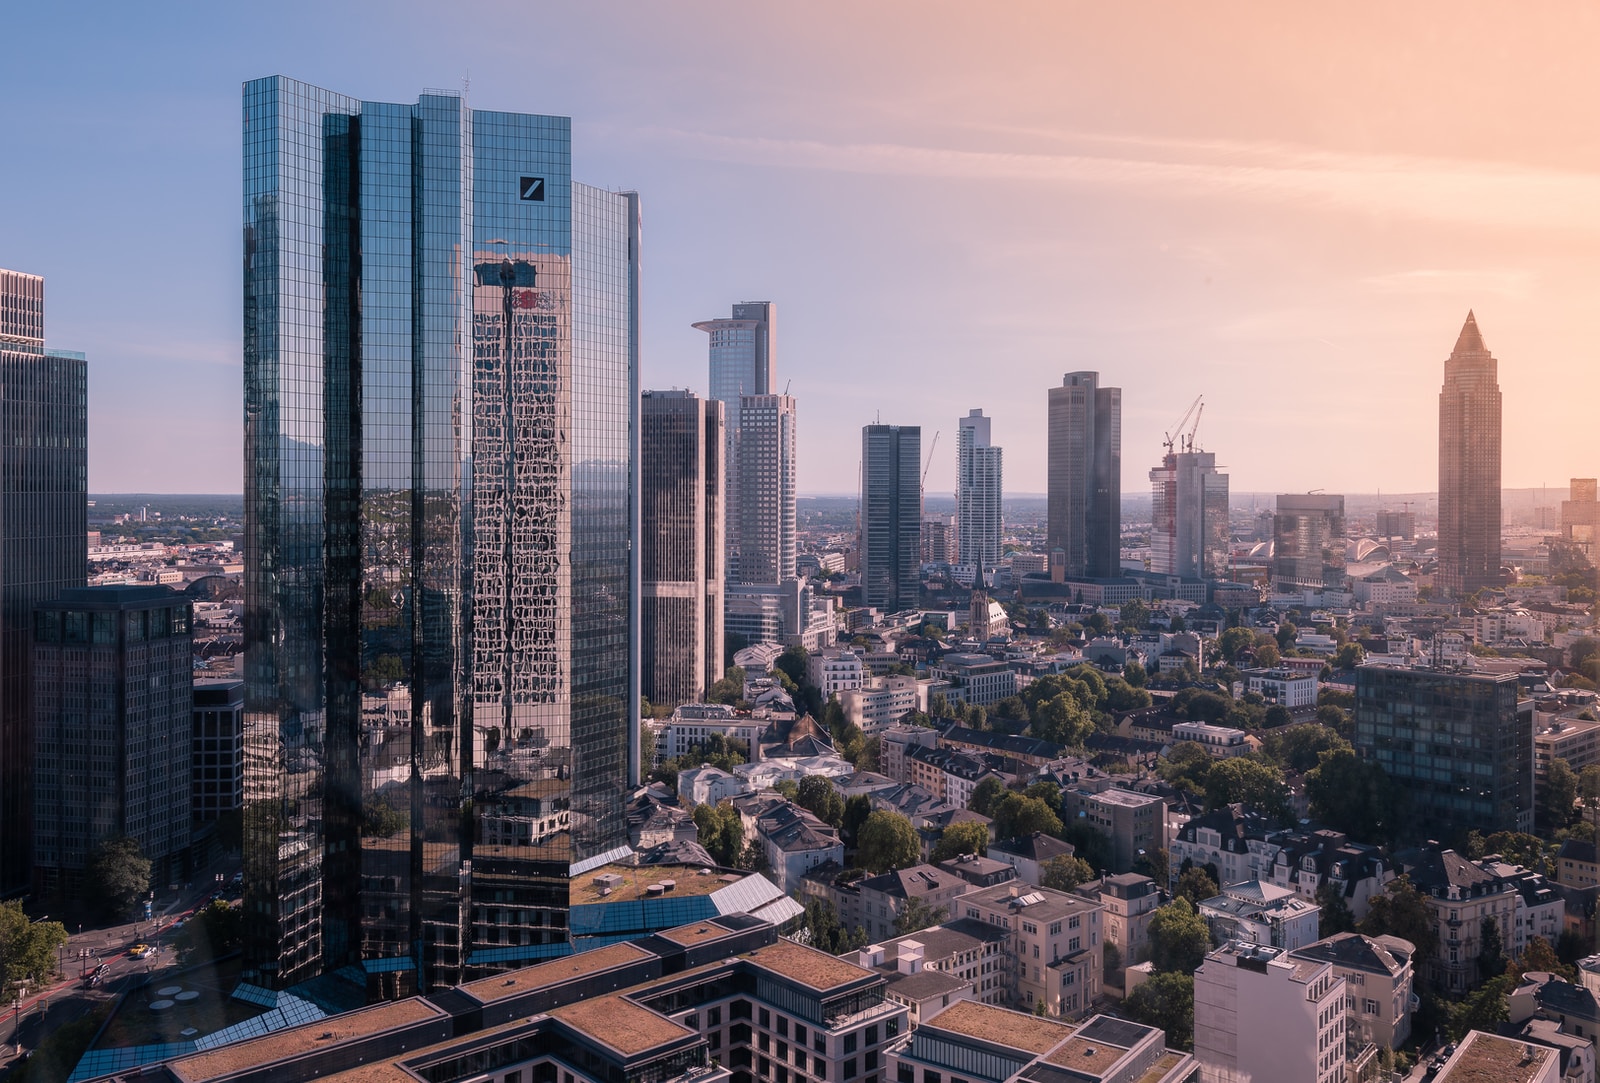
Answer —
(929, 462)
(1171, 444)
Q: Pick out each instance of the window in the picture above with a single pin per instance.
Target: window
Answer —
(850, 1068)
(820, 1044)
(766, 1018)
(714, 1017)
(1369, 1006)
(765, 1043)
(799, 1034)
(872, 1036)
(850, 1043)
(929, 1076)
(783, 1051)
(783, 1027)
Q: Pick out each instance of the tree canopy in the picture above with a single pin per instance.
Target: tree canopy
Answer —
(1260, 785)
(1179, 938)
(1355, 796)
(27, 948)
(1165, 1000)
(721, 832)
(1065, 873)
(887, 841)
(1403, 911)
(968, 837)
(118, 876)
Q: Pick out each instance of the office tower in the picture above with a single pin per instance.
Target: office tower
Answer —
(891, 516)
(1189, 516)
(681, 545)
(1580, 520)
(1085, 475)
(218, 760)
(1396, 524)
(766, 501)
(978, 491)
(441, 396)
(743, 362)
(1260, 1014)
(1308, 536)
(1469, 467)
(1458, 743)
(940, 539)
(113, 705)
(43, 532)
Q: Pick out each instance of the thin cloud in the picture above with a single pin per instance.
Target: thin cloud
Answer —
(1508, 282)
(1439, 189)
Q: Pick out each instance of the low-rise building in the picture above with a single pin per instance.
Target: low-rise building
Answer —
(795, 842)
(896, 742)
(885, 899)
(707, 785)
(1481, 1057)
(1028, 854)
(879, 702)
(1135, 824)
(968, 953)
(983, 1043)
(692, 725)
(1261, 913)
(974, 678)
(1025, 751)
(1053, 953)
(1261, 1015)
(949, 774)
(1379, 979)
(1130, 901)
(835, 670)
(1463, 897)
(1217, 740)
(979, 871)
(1233, 843)
(1577, 864)
(1294, 691)
(1310, 862)
(1576, 740)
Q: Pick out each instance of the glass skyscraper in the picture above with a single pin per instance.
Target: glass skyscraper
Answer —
(44, 466)
(891, 516)
(744, 361)
(1084, 506)
(441, 387)
(1189, 532)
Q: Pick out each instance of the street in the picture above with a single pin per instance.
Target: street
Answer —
(65, 1000)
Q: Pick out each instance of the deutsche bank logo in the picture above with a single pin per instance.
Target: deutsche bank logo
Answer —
(532, 188)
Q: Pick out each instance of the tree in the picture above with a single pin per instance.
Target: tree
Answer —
(1154, 864)
(1297, 748)
(1491, 955)
(1557, 795)
(728, 690)
(1017, 815)
(1186, 766)
(1063, 721)
(721, 832)
(918, 915)
(887, 841)
(1196, 885)
(1539, 955)
(118, 876)
(787, 788)
(1485, 1009)
(856, 811)
(1336, 916)
(817, 796)
(1134, 673)
(1234, 640)
(216, 931)
(1336, 719)
(1110, 963)
(28, 949)
(1165, 1001)
(1179, 938)
(986, 795)
(1259, 785)
(1285, 635)
(1133, 612)
(1403, 911)
(1210, 707)
(381, 820)
(1064, 873)
(1349, 656)
(821, 929)
(793, 663)
(1355, 796)
(967, 837)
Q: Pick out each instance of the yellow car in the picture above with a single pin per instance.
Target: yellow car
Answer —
(139, 951)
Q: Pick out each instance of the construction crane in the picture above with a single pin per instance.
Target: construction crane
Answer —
(926, 465)
(1174, 445)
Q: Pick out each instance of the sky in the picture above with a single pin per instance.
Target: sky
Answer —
(1287, 209)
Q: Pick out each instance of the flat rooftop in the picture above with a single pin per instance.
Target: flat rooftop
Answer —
(556, 971)
(688, 936)
(324, 1033)
(620, 1024)
(636, 881)
(1082, 1055)
(814, 969)
(1485, 1058)
(1126, 798)
(1001, 1026)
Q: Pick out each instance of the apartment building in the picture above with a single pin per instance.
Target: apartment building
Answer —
(884, 899)
(1054, 950)
(835, 670)
(1134, 823)
(1130, 901)
(896, 742)
(1379, 979)
(1462, 896)
(1260, 1014)
(968, 952)
(879, 702)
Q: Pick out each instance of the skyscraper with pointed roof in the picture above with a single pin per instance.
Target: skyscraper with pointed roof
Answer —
(1469, 467)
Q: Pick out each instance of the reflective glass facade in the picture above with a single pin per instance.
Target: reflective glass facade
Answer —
(980, 519)
(1189, 534)
(440, 371)
(43, 532)
(1084, 507)
(891, 516)
(744, 361)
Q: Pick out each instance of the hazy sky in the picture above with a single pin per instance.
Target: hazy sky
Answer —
(1287, 209)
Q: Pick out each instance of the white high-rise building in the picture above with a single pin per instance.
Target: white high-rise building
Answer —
(978, 492)
(766, 522)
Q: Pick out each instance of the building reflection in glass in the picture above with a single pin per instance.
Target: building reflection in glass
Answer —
(441, 359)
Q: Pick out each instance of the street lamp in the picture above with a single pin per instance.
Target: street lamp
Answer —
(16, 1018)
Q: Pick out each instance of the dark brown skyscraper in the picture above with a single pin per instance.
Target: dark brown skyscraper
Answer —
(1469, 467)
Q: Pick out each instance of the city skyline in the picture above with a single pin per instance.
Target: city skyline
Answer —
(1203, 232)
